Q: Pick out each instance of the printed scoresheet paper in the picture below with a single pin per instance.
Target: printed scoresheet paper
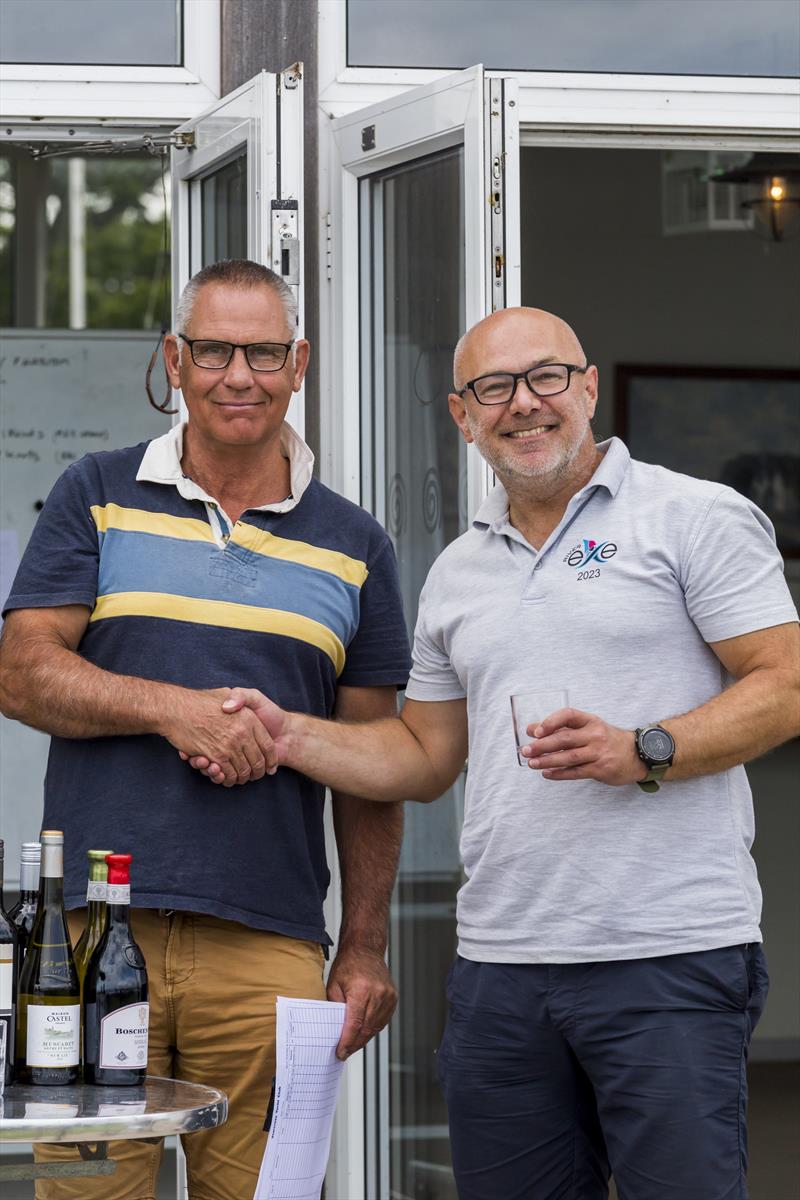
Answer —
(307, 1080)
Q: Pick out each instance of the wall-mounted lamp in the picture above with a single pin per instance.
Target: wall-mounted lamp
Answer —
(772, 194)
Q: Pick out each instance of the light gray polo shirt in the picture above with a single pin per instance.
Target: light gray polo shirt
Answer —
(645, 568)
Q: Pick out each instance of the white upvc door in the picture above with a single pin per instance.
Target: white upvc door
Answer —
(424, 241)
(237, 187)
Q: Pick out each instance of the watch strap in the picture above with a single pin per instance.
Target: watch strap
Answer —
(652, 780)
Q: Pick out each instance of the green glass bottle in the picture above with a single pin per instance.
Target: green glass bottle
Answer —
(96, 891)
(48, 1000)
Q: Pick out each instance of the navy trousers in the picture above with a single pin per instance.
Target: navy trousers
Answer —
(556, 1076)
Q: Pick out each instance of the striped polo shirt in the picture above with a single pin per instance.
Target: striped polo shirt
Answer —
(294, 598)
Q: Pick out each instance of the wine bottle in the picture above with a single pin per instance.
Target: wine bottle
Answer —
(48, 1000)
(8, 974)
(96, 890)
(23, 913)
(115, 1005)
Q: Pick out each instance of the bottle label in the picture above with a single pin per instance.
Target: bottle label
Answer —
(6, 974)
(123, 1037)
(53, 1035)
(119, 893)
(96, 890)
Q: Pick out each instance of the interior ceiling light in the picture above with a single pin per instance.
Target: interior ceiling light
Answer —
(772, 193)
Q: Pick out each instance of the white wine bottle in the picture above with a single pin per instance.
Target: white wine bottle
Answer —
(8, 974)
(48, 999)
(115, 1005)
(96, 892)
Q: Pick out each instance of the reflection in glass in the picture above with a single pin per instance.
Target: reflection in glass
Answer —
(673, 37)
(82, 241)
(8, 220)
(125, 32)
(416, 264)
(224, 201)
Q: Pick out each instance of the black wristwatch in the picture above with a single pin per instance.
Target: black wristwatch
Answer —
(656, 748)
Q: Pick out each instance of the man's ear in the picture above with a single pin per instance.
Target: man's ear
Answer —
(171, 360)
(590, 391)
(458, 411)
(302, 353)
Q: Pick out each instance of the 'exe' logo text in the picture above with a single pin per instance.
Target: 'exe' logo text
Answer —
(590, 551)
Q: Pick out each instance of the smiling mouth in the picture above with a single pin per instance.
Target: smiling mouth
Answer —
(537, 431)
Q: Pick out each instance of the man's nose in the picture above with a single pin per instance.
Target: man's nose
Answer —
(522, 398)
(239, 370)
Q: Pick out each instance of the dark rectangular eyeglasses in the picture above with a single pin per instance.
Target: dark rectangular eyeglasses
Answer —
(550, 379)
(215, 356)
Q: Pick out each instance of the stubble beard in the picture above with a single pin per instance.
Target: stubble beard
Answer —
(547, 476)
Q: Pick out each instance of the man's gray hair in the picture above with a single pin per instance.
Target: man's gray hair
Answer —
(240, 273)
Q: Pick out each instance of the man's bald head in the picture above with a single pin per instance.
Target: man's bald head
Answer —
(513, 339)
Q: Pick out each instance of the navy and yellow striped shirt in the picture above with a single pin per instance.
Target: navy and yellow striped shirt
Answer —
(291, 602)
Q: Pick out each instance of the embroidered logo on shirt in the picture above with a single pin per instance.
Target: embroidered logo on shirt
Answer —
(588, 550)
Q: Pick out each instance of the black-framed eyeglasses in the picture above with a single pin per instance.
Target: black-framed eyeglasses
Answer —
(215, 356)
(550, 379)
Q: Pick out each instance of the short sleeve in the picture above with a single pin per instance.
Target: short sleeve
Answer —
(433, 677)
(60, 562)
(378, 654)
(733, 576)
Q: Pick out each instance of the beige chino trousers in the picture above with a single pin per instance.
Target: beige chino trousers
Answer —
(213, 985)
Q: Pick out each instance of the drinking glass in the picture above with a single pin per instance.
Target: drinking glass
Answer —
(529, 708)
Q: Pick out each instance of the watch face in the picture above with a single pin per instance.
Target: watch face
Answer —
(657, 745)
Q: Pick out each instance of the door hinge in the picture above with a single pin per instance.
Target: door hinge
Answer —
(329, 245)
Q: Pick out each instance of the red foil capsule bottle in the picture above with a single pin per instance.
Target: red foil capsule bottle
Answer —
(116, 1012)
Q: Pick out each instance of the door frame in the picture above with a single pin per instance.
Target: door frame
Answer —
(263, 117)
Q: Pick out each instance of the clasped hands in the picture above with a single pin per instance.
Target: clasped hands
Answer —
(232, 735)
(253, 740)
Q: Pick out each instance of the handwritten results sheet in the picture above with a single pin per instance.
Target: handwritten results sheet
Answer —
(307, 1080)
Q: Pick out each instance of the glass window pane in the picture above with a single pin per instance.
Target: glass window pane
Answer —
(84, 241)
(224, 208)
(674, 37)
(415, 259)
(111, 32)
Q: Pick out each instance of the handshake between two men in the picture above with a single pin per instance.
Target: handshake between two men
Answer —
(414, 756)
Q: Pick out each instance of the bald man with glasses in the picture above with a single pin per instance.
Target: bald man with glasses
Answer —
(157, 577)
(609, 971)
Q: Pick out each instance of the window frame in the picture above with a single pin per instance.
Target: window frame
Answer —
(564, 99)
(42, 91)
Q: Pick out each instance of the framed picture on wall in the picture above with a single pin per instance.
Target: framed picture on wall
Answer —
(739, 426)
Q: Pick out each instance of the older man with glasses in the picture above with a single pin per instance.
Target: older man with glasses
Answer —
(610, 971)
(157, 577)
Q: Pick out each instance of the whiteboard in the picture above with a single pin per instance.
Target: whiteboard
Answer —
(62, 394)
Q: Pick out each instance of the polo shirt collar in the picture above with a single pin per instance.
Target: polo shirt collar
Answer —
(162, 464)
(613, 466)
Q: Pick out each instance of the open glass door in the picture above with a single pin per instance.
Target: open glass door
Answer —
(237, 186)
(430, 200)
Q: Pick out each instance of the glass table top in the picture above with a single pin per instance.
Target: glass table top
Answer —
(82, 1113)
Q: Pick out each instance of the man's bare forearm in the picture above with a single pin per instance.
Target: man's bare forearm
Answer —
(45, 682)
(745, 721)
(382, 760)
(54, 689)
(368, 837)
